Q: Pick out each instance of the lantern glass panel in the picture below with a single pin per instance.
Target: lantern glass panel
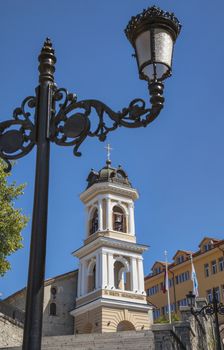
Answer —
(154, 64)
(143, 47)
(163, 50)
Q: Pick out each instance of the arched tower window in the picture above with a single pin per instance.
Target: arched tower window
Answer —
(119, 219)
(121, 276)
(92, 276)
(53, 309)
(94, 222)
(53, 292)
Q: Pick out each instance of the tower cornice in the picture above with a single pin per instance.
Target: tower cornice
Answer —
(109, 243)
(107, 187)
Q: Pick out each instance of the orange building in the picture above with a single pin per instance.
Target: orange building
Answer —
(209, 266)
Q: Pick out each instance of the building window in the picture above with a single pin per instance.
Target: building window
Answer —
(214, 267)
(118, 219)
(157, 270)
(156, 314)
(222, 291)
(153, 290)
(172, 307)
(92, 276)
(207, 246)
(185, 276)
(221, 264)
(209, 295)
(217, 293)
(180, 259)
(182, 302)
(206, 269)
(171, 282)
(53, 309)
(53, 292)
(94, 224)
(121, 278)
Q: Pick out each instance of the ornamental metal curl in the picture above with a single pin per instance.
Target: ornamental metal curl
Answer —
(67, 129)
(210, 309)
(17, 136)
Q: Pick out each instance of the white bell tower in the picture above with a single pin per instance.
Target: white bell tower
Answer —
(111, 295)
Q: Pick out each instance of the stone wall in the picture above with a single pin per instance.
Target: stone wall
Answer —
(177, 336)
(202, 330)
(183, 335)
(11, 331)
(62, 323)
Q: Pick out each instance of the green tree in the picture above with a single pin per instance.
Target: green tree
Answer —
(12, 221)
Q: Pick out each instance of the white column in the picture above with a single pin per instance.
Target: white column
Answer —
(87, 222)
(110, 269)
(100, 214)
(134, 275)
(103, 259)
(98, 270)
(79, 280)
(84, 278)
(108, 214)
(131, 219)
(141, 285)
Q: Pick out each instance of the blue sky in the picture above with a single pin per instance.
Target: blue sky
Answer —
(176, 163)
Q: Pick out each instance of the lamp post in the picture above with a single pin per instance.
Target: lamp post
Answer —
(213, 308)
(46, 117)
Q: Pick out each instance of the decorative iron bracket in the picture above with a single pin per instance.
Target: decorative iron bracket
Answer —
(17, 136)
(209, 310)
(71, 129)
(70, 122)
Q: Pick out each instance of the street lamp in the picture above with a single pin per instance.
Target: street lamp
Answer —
(213, 308)
(46, 117)
(191, 300)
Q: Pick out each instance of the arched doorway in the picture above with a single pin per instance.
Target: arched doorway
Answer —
(125, 326)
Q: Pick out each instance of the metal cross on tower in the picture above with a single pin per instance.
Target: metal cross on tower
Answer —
(109, 149)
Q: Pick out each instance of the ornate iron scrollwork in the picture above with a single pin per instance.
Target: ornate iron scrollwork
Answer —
(17, 136)
(210, 310)
(221, 309)
(71, 129)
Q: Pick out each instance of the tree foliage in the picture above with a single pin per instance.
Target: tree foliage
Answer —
(12, 221)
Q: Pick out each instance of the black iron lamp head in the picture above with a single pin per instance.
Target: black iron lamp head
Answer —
(153, 33)
(191, 299)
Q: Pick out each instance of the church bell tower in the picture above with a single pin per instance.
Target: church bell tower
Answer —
(110, 295)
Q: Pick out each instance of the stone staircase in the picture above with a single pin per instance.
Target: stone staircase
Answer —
(130, 340)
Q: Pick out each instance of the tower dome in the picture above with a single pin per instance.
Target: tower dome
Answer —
(109, 174)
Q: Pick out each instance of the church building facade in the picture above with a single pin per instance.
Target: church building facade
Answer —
(106, 293)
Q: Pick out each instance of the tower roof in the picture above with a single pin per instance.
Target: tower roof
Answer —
(109, 174)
